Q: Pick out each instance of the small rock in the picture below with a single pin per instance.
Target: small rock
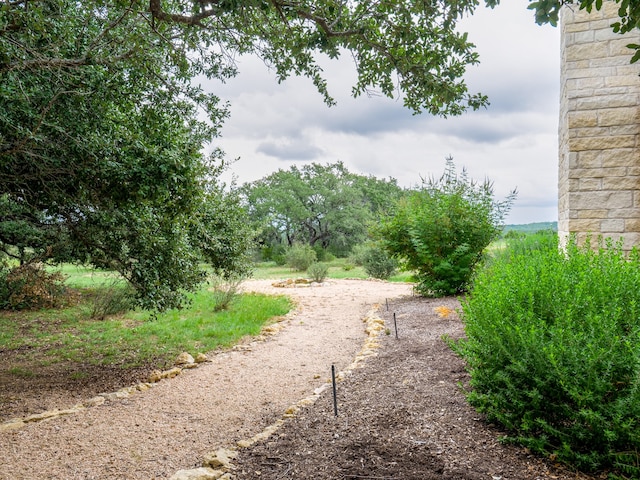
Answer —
(174, 372)
(122, 393)
(220, 458)
(202, 473)
(291, 411)
(201, 358)
(184, 358)
(11, 425)
(155, 376)
(95, 401)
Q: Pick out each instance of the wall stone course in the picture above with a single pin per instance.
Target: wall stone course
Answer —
(589, 82)
(586, 132)
(607, 101)
(587, 70)
(616, 225)
(602, 143)
(621, 183)
(583, 173)
(583, 93)
(604, 34)
(586, 184)
(626, 116)
(586, 225)
(632, 225)
(625, 213)
(619, 48)
(583, 36)
(633, 99)
(599, 213)
(621, 157)
(577, 27)
(578, 65)
(586, 159)
(582, 119)
(600, 24)
(631, 129)
(613, 62)
(596, 200)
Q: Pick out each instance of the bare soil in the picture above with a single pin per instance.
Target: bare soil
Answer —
(401, 416)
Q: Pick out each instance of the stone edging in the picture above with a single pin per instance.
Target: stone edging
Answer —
(218, 465)
(184, 361)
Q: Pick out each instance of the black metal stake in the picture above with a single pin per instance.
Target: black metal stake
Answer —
(387, 302)
(335, 396)
(395, 324)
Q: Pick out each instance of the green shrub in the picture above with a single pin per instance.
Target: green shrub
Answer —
(300, 257)
(377, 262)
(441, 230)
(318, 271)
(348, 266)
(5, 292)
(523, 244)
(553, 351)
(114, 299)
(274, 253)
(357, 254)
(224, 290)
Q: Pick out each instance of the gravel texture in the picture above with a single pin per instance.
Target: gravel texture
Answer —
(152, 434)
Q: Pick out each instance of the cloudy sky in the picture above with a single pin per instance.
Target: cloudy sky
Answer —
(513, 142)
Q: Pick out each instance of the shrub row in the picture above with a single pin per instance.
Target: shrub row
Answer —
(553, 348)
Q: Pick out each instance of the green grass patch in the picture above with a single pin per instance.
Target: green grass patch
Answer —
(86, 277)
(71, 335)
(338, 269)
(21, 372)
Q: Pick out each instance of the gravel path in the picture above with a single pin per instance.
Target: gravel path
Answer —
(153, 434)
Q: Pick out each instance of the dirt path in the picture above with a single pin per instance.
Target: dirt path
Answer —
(402, 416)
(153, 434)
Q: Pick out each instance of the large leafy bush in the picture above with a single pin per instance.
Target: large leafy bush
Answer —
(441, 230)
(300, 257)
(553, 348)
(377, 262)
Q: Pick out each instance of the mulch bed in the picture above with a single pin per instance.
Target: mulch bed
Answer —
(402, 416)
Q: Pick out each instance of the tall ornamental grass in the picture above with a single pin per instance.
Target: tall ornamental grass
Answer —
(553, 348)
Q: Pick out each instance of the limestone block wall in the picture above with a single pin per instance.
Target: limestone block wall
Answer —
(599, 130)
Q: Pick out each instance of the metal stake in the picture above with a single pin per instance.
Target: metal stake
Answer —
(335, 396)
(395, 324)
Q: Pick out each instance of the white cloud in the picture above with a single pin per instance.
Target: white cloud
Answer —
(513, 142)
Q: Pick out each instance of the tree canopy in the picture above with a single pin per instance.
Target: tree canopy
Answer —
(324, 206)
(102, 128)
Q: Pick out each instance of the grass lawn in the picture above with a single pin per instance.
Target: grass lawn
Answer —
(50, 336)
(338, 268)
(33, 339)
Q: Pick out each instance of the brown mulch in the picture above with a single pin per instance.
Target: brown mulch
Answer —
(402, 416)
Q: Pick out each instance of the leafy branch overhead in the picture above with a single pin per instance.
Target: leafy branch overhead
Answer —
(397, 45)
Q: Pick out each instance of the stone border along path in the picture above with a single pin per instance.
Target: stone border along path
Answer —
(234, 393)
(219, 464)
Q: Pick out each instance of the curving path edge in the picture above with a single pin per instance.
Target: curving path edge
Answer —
(237, 395)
